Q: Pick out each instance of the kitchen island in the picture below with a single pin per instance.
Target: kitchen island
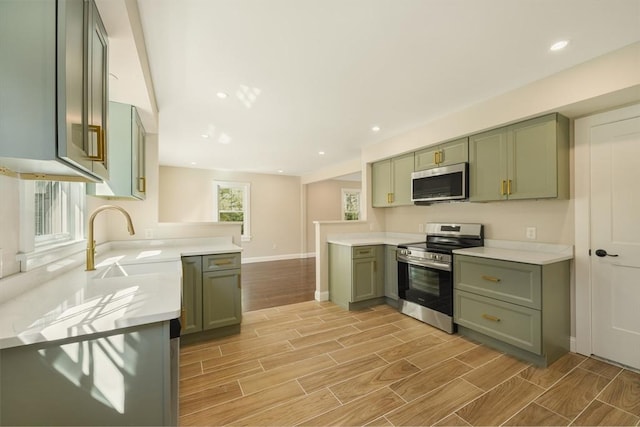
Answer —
(95, 347)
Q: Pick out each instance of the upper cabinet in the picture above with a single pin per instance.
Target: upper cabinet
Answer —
(53, 95)
(527, 160)
(126, 155)
(445, 154)
(391, 181)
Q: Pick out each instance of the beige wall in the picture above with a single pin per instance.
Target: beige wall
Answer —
(324, 203)
(9, 224)
(186, 195)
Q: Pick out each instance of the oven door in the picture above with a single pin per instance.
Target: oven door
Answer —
(429, 286)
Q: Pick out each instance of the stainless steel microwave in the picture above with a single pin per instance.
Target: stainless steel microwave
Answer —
(440, 184)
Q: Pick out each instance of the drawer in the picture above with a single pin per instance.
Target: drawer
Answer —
(220, 261)
(510, 323)
(507, 281)
(363, 252)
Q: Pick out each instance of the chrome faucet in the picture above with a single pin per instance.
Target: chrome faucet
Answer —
(91, 243)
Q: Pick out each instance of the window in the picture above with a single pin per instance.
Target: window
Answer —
(350, 204)
(231, 204)
(52, 217)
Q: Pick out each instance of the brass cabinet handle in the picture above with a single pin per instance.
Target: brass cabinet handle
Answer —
(509, 187)
(389, 197)
(440, 156)
(490, 317)
(502, 189)
(223, 262)
(491, 279)
(100, 156)
(142, 184)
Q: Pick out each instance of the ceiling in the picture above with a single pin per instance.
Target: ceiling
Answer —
(310, 76)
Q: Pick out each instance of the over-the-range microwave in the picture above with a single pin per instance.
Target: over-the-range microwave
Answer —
(440, 184)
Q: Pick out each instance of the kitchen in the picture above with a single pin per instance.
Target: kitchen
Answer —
(575, 92)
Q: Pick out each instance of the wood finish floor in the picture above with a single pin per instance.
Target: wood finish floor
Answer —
(314, 363)
(276, 283)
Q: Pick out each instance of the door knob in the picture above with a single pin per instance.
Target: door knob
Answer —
(603, 253)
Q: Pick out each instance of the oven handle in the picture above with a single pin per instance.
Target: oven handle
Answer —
(424, 263)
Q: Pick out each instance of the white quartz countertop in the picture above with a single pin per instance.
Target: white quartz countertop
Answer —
(525, 252)
(366, 239)
(133, 284)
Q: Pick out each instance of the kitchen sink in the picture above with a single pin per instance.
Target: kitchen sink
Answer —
(125, 270)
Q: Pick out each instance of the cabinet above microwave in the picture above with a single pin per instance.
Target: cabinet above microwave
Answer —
(53, 96)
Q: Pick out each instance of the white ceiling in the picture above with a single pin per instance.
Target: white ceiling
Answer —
(305, 76)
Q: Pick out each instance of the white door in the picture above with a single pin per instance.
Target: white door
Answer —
(615, 241)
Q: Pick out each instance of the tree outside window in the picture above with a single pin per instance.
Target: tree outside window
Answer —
(231, 200)
(350, 204)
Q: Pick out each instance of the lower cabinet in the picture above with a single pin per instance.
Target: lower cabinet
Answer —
(356, 275)
(211, 292)
(520, 308)
(390, 272)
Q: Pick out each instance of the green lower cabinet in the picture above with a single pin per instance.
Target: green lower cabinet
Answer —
(211, 292)
(520, 308)
(390, 272)
(356, 275)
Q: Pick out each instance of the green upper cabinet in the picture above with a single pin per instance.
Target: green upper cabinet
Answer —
(527, 160)
(391, 181)
(54, 94)
(126, 155)
(445, 154)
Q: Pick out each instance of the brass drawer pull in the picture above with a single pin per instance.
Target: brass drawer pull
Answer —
(490, 317)
(491, 279)
(223, 262)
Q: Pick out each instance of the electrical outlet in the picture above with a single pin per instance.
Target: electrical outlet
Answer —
(148, 233)
(275, 246)
(531, 233)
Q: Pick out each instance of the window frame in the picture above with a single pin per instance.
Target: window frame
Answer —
(246, 204)
(343, 203)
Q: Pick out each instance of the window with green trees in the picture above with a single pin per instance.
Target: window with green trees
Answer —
(232, 204)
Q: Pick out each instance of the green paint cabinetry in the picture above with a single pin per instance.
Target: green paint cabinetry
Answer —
(390, 272)
(391, 181)
(445, 154)
(356, 275)
(520, 308)
(211, 293)
(126, 156)
(527, 160)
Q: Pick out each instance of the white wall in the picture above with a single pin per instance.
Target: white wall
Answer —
(9, 224)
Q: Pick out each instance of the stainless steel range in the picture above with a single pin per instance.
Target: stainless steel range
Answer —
(425, 272)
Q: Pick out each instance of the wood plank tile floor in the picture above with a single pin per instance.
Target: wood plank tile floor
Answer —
(313, 363)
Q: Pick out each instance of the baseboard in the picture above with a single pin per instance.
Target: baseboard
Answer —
(572, 344)
(322, 296)
(277, 257)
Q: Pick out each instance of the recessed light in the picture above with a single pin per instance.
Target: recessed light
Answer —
(222, 95)
(193, 163)
(205, 136)
(280, 171)
(321, 153)
(376, 128)
(559, 45)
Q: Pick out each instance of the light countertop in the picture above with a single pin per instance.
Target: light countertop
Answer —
(525, 252)
(366, 239)
(135, 283)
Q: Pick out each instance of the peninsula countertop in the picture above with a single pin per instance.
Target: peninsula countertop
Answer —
(135, 283)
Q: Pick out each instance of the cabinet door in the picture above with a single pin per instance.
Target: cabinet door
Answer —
(364, 283)
(390, 273)
(138, 156)
(426, 159)
(221, 299)
(381, 184)
(487, 166)
(454, 152)
(402, 167)
(97, 92)
(532, 161)
(191, 294)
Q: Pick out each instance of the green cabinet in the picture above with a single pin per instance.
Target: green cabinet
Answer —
(391, 181)
(446, 154)
(527, 160)
(53, 95)
(520, 308)
(211, 292)
(390, 272)
(356, 275)
(126, 156)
